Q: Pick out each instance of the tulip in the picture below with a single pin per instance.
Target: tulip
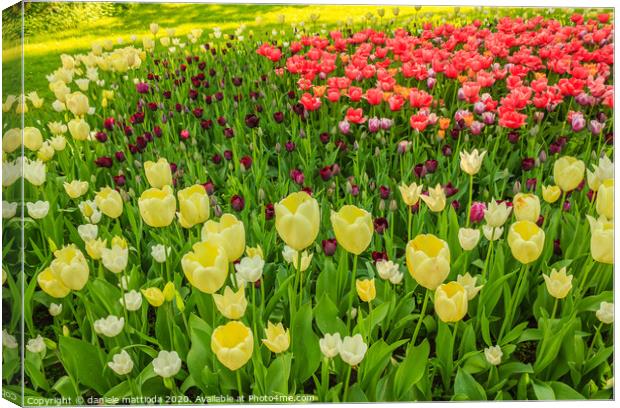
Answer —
(410, 193)
(158, 174)
(469, 283)
(428, 260)
(38, 209)
(8, 340)
(8, 209)
(206, 266)
(366, 289)
(160, 253)
(526, 207)
(387, 269)
(602, 239)
(256, 251)
(558, 283)
(551, 194)
(250, 269)
(451, 302)
(58, 143)
(468, 238)
(493, 355)
(115, 258)
(79, 129)
(55, 309)
(568, 172)
(602, 172)
(491, 233)
(154, 296)
(605, 313)
(32, 138)
(353, 228)
(278, 339)
(34, 172)
(110, 326)
(297, 220)
(233, 344)
(76, 188)
(330, 345)
(36, 345)
(436, 200)
(109, 201)
(228, 233)
(526, 241)
(353, 349)
(193, 206)
(605, 199)
(11, 140)
(132, 300)
(231, 304)
(70, 267)
(471, 162)
(291, 256)
(157, 206)
(46, 152)
(167, 364)
(121, 363)
(77, 103)
(51, 284)
(95, 247)
(496, 214)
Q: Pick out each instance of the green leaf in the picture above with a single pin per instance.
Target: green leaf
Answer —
(411, 369)
(326, 316)
(200, 350)
(565, 392)
(278, 374)
(84, 363)
(465, 384)
(306, 344)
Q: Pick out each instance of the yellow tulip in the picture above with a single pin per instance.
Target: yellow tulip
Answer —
(602, 239)
(229, 233)
(366, 289)
(206, 266)
(231, 304)
(70, 267)
(558, 283)
(154, 296)
(568, 172)
(11, 140)
(95, 247)
(526, 241)
(428, 260)
(193, 206)
(77, 103)
(169, 291)
(436, 199)
(109, 201)
(251, 252)
(526, 207)
(32, 138)
(297, 220)
(471, 162)
(51, 285)
(79, 129)
(551, 194)
(46, 152)
(158, 174)
(451, 302)
(278, 339)
(605, 199)
(233, 344)
(410, 193)
(76, 188)
(157, 206)
(353, 228)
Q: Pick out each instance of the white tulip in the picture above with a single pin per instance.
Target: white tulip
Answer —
(38, 210)
(8, 209)
(353, 349)
(496, 214)
(492, 234)
(493, 355)
(291, 256)
(386, 269)
(88, 232)
(36, 345)
(160, 253)
(109, 326)
(330, 345)
(250, 269)
(468, 238)
(8, 340)
(121, 363)
(55, 309)
(469, 283)
(167, 364)
(605, 312)
(132, 300)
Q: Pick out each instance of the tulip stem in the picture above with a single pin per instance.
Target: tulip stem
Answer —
(471, 188)
(369, 321)
(596, 334)
(585, 277)
(514, 301)
(239, 386)
(422, 313)
(346, 384)
(555, 308)
(301, 280)
(353, 272)
(409, 219)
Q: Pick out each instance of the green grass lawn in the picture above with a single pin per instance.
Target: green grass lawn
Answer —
(42, 50)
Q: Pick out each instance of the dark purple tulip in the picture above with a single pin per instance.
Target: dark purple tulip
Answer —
(109, 123)
(450, 190)
(246, 162)
(329, 246)
(456, 205)
(251, 120)
(530, 184)
(540, 220)
(142, 87)
(419, 170)
(104, 161)
(557, 250)
(446, 150)
(120, 156)
(157, 130)
(430, 166)
(206, 124)
(297, 176)
(289, 146)
(237, 203)
(379, 256)
(326, 173)
(381, 225)
(221, 121)
(229, 133)
(209, 187)
(101, 136)
(119, 180)
(278, 117)
(216, 159)
(384, 192)
(324, 137)
(528, 163)
(269, 212)
(228, 154)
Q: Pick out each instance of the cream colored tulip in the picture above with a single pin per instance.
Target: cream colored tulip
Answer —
(157, 206)
(568, 172)
(231, 304)
(558, 283)
(496, 214)
(410, 193)
(551, 194)
(602, 239)
(436, 200)
(605, 199)
(229, 232)
(526, 241)
(277, 338)
(353, 228)
(206, 266)
(110, 203)
(428, 260)
(468, 238)
(193, 206)
(297, 220)
(158, 173)
(471, 162)
(526, 207)
(233, 344)
(451, 302)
